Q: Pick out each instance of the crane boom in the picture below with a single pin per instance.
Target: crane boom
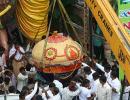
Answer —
(113, 31)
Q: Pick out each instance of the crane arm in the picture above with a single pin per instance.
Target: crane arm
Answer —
(113, 31)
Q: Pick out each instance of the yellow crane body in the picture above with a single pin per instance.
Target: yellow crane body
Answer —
(113, 31)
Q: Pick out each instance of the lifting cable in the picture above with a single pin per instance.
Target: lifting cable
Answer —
(48, 31)
(31, 45)
(63, 12)
(64, 20)
(84, 27)
(69, 20)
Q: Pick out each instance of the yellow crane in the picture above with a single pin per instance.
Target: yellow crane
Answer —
(113, 31)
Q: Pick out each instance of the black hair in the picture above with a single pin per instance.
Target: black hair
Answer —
(95, 75)
(39, 82)
(1, 80)
(25, 88)
(114, 74)
(2, 51)
(91, 64)
(21, 69)
(28, 67)
(2, 92)
(103, 78)
(23, 94)
(87, 70)
(37, 91)
(78, 78)
(16, 43)
(51, 85)
(86, 81)
(56, 90)
(39, 97)
(108, 67)
(7, 80)
(12, 89)
(7, 72)
(105, 62)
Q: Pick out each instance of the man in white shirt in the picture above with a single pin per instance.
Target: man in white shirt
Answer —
(16, 52)
(12, 90)
(10, 74)
(85, 93)
(22, 79)
(95, 83)
(81, 70)
(88, 74)
(47, 91)
(58, 84)
(12, 94)
(115, 85)
(106, 70)
(52, 93)
(126, 93)
(56, 94)
(104, 91)
(31, 95)
(71, 91)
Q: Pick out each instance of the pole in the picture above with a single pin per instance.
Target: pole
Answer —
(91, 34)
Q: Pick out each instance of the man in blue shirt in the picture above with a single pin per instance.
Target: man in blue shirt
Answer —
(98, 44)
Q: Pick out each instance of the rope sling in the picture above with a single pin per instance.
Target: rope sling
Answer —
(65, 17)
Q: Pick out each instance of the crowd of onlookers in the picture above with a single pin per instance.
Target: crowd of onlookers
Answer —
(93, 81)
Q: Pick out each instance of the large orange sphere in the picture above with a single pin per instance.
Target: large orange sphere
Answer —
(60, 55)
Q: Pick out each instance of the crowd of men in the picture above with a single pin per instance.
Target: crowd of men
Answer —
(93, 81)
